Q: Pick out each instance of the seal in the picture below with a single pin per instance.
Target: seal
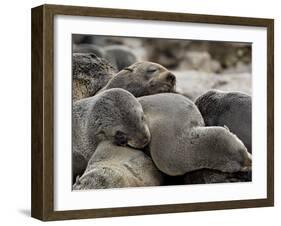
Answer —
(119, 56)
(181, 143)
(113, 166)
(113, 115)
(143, 78)
(232, 109)
(90, 73)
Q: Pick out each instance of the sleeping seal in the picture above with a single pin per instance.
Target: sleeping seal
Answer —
(113, 166)
(232, 109)
(181, 143)
(114, 115)
(143, 78)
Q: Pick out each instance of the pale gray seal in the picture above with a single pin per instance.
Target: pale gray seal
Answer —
(113, 166)
(180, 143)
(232, 109)
(113, 115)
(143, 78)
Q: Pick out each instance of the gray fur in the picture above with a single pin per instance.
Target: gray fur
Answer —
(113, 115)
(90, 73)
(233, 109)
(113, 166)
(180, 143)
(119, 56)
(143, 78)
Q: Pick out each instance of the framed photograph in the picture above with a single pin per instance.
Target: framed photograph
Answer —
(141, 112)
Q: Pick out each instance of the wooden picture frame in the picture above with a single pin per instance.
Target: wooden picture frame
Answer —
(42, 203)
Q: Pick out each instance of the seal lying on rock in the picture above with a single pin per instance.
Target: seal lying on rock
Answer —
(180, 143)
(233, 109)
(113, 166)
(90, 74)
(113, 115)
(143, 78)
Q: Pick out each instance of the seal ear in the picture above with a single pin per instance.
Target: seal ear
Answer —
(128, 69)
(125, 71)
(226, 128)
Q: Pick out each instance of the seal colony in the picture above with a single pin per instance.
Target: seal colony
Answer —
(131, 128)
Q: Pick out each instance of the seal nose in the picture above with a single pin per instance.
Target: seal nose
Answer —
(120, 138)
(147, 137)
(171, 78)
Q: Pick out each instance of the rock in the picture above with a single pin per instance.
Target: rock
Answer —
(168, 53)
(200, 61)
(194, 83)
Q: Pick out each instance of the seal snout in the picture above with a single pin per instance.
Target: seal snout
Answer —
(120, 138)
(168, 77)
(171, 78)
(142, 140)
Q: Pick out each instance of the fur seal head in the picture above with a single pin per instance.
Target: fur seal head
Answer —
(114, 115)
(144, 78)
(113, 166)
(124, 123)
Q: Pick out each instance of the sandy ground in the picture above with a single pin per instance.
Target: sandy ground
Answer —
(195, 83)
